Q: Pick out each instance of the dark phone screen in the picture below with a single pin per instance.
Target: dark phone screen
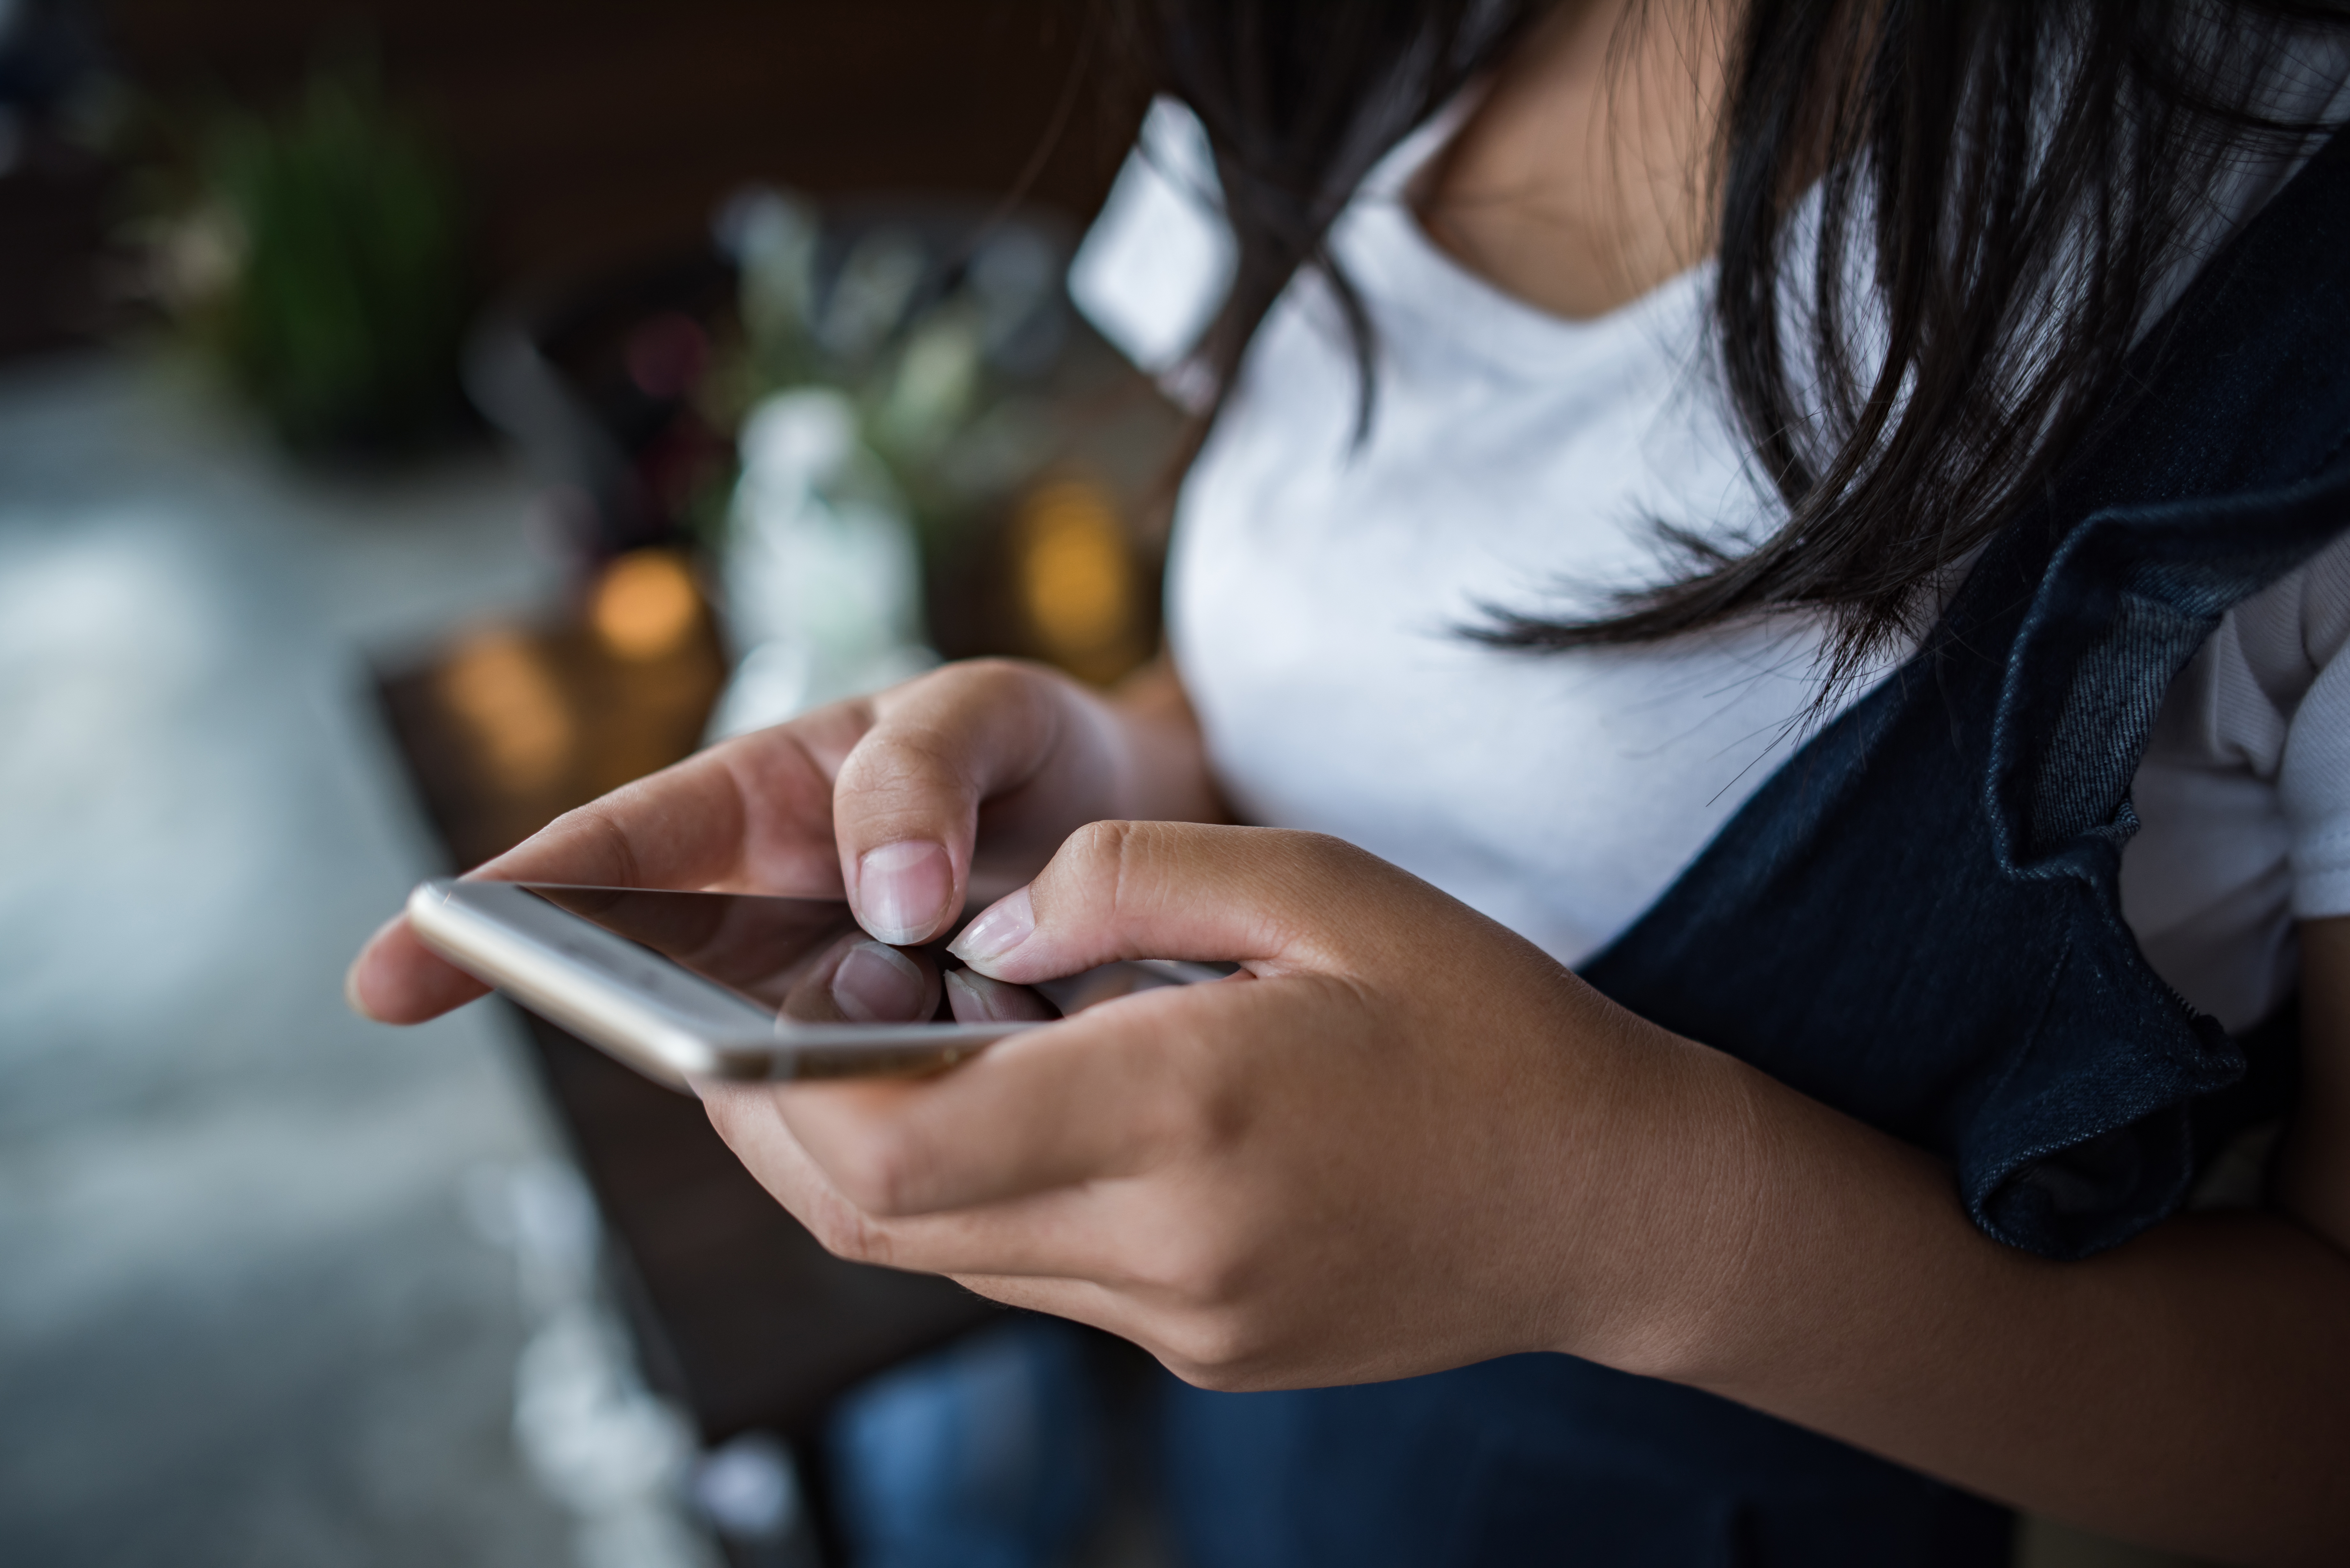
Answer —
(804, 959)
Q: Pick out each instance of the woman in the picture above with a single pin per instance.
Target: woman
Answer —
(1760, 505)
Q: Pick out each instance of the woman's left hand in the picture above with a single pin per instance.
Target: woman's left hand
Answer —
(1404, 1140)
(1401, 1138)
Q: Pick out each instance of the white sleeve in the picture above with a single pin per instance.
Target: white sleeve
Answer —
(2244, 797)
(2313, 781)
(1155, 267)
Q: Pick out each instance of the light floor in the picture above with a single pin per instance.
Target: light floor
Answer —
(242, 1317)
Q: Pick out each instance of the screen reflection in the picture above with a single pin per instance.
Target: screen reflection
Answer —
(805, 960)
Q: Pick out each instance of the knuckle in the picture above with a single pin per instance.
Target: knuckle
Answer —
(1214, 1380)
(1001, 680)
(1205, 1103)
(1102, 842)
(1205, 1119)
(1205, 1270)
(1215, 1349)
(897, 754)
(926, 731)
(846, 1232)
(1112, 855)
(878, 1178)
(1321, 852)
(1086, 876)
(830, 730)
(592, 840)
(980, 686)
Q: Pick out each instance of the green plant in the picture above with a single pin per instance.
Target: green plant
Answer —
(343, 293)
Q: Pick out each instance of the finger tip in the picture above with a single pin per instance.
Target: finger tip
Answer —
(360, 980)
(990, 942)
(368, 993)
(904, 893)
(352, 998)
(898, 934)
(396, 979)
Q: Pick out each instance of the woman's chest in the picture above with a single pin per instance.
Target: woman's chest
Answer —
(1323, 592)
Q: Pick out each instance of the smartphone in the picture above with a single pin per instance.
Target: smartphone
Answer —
(730, 985)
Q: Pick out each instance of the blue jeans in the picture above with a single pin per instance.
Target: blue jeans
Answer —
(990, 1454)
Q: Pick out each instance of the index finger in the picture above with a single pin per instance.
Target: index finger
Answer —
(751, 815)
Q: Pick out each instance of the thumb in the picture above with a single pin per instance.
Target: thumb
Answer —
(1161, 891)
(397, 979)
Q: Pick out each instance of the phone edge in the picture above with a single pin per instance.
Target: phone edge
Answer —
(608, 1017)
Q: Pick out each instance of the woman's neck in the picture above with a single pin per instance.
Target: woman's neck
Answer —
(1580, 181)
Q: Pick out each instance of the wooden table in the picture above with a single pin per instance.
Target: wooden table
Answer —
(739, 1315)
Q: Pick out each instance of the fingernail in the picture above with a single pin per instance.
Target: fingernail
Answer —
(878, 984)
(1007, 923)
(902, 890)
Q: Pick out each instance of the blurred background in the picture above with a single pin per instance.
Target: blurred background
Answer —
(417, 417)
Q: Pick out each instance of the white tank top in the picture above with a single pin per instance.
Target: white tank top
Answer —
(1317, 588)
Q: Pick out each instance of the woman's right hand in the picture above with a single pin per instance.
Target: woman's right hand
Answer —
(970, 776)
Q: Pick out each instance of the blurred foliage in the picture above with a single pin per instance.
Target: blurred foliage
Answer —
(940, 363)
(318, 254)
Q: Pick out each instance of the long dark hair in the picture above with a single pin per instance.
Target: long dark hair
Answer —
(2017, 172)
